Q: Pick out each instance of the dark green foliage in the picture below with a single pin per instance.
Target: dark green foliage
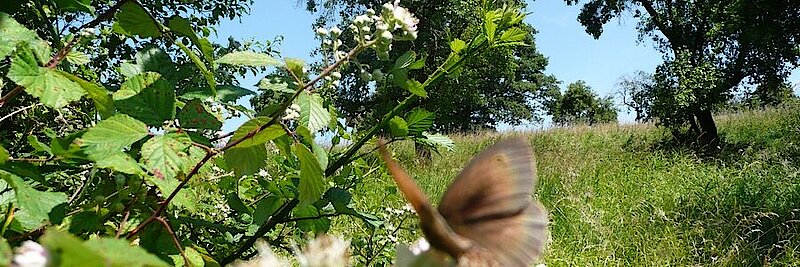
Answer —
(579, 104)
(500, 86)
(710, 47)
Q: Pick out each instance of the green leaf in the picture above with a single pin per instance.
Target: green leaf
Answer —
(419, 64)
(490, 26)
(77, 58)
(208, 75)
(182, 27)
(246, 160)
(134, 20)
(38, 146)
(416, 88)
(311, 180)
(195, 258)
(266, 135)
(166, 155)
(225, 93)
(3, 155)
(439, 140)
(315, 226)
(185, 198)
(513, 35)
(312, 115)
(75, 5)
(100, 96)
(119, 252)
(405, 60)
(398, 127)
(249, 59)
(112, 135)
(280, 84)
(154, 59)
(52, 89)
(195, 115)
(295, 66)
(148, 98)
(419, 120)
(34, 206)
(13, 33)
(320, 154)
(266, 207)
(457, 45)
(68, 250)
(120, 162)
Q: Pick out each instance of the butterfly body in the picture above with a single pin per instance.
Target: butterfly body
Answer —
(486, 217)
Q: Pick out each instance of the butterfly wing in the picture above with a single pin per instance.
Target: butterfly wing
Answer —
(490, 204)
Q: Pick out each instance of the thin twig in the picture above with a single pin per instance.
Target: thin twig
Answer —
(18, 111)
(310, 218)
(174, 239)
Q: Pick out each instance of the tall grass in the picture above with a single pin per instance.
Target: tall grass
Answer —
(624, 195)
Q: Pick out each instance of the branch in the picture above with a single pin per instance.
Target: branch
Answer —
(174, 240)
(62, 53)
(282, 213)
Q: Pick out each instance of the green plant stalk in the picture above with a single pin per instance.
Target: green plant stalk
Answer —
(476, 45)
(8, 218)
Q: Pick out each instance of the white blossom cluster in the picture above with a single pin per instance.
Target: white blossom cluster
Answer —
(292, 113)
(323, 251)
(30, 254)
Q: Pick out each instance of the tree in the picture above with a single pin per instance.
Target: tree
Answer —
(499, 86)
(579, 104)
(709, 47)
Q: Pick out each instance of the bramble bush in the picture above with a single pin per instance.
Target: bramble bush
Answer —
(152, 181)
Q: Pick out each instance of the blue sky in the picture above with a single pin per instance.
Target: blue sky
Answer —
(573, 54)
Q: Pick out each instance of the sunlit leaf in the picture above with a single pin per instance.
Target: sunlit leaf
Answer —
(77, 58)
(246, 160)
(34, 206)
(312, 115)
(457, 45)
(225, 93)
(13, 33)
(266, 135)
(134, 20)
(195, 115)
(419, 120)
(52, 89)
(311, 180)
(398, 127)
(166, 155)
(3, 155)
(148, 98)
(75, 5)
(112, 135)
(99, 95)
(439, 140)
(249, 58)
(405, 60)
(416, 88)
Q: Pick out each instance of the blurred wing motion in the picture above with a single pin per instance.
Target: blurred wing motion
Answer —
(486, 215)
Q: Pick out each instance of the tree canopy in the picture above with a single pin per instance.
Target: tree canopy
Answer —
(502, 85)
(579, 104)
(710, 48)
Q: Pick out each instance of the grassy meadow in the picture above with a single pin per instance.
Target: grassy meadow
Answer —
(628, 195)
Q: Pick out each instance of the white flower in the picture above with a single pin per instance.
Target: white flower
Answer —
(87, 32)
(322, 31)
(420, 246)
(30, 254)
(370, 12)
(406, 20)
(335, 31)
(265, 257)
(387, 35)
(326, 42)
(325, 251)
(365, 29)
(336, 75)
(263, 173)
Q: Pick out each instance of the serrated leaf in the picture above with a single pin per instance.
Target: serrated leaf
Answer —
(439, 140)
(186, 198)
(416, 88)
(112, 135)
(225, 93)
(419, 120)
(419, 64)
(246, 160)
(120, 162)
(77, 58)
(134, 20)
(457, 45)
(195, 259)
(166, 155)
(405, 60)
(148, 98)
(398, 127)
(12, 34)
(119, 252)
(513, 35)
(75, 5)
(311, 180)
(3, 155)
(295, 66)
(315, 226)
(34, 206)
(195, 115)
(312, 115)
(278, 84)
(99, 95)
(248, 58)
(490, 26)
(266, 135)
(52, 89)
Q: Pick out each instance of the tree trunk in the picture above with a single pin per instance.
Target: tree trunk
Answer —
(709, 136)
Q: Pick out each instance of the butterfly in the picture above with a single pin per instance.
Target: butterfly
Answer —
(486, 217)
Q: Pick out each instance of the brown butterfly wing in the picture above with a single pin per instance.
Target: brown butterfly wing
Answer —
(490, 204)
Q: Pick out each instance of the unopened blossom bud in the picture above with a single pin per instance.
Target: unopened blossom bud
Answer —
(387, 35)
(370, 12)
(365, 29)
(322, 31)
(335, 31)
